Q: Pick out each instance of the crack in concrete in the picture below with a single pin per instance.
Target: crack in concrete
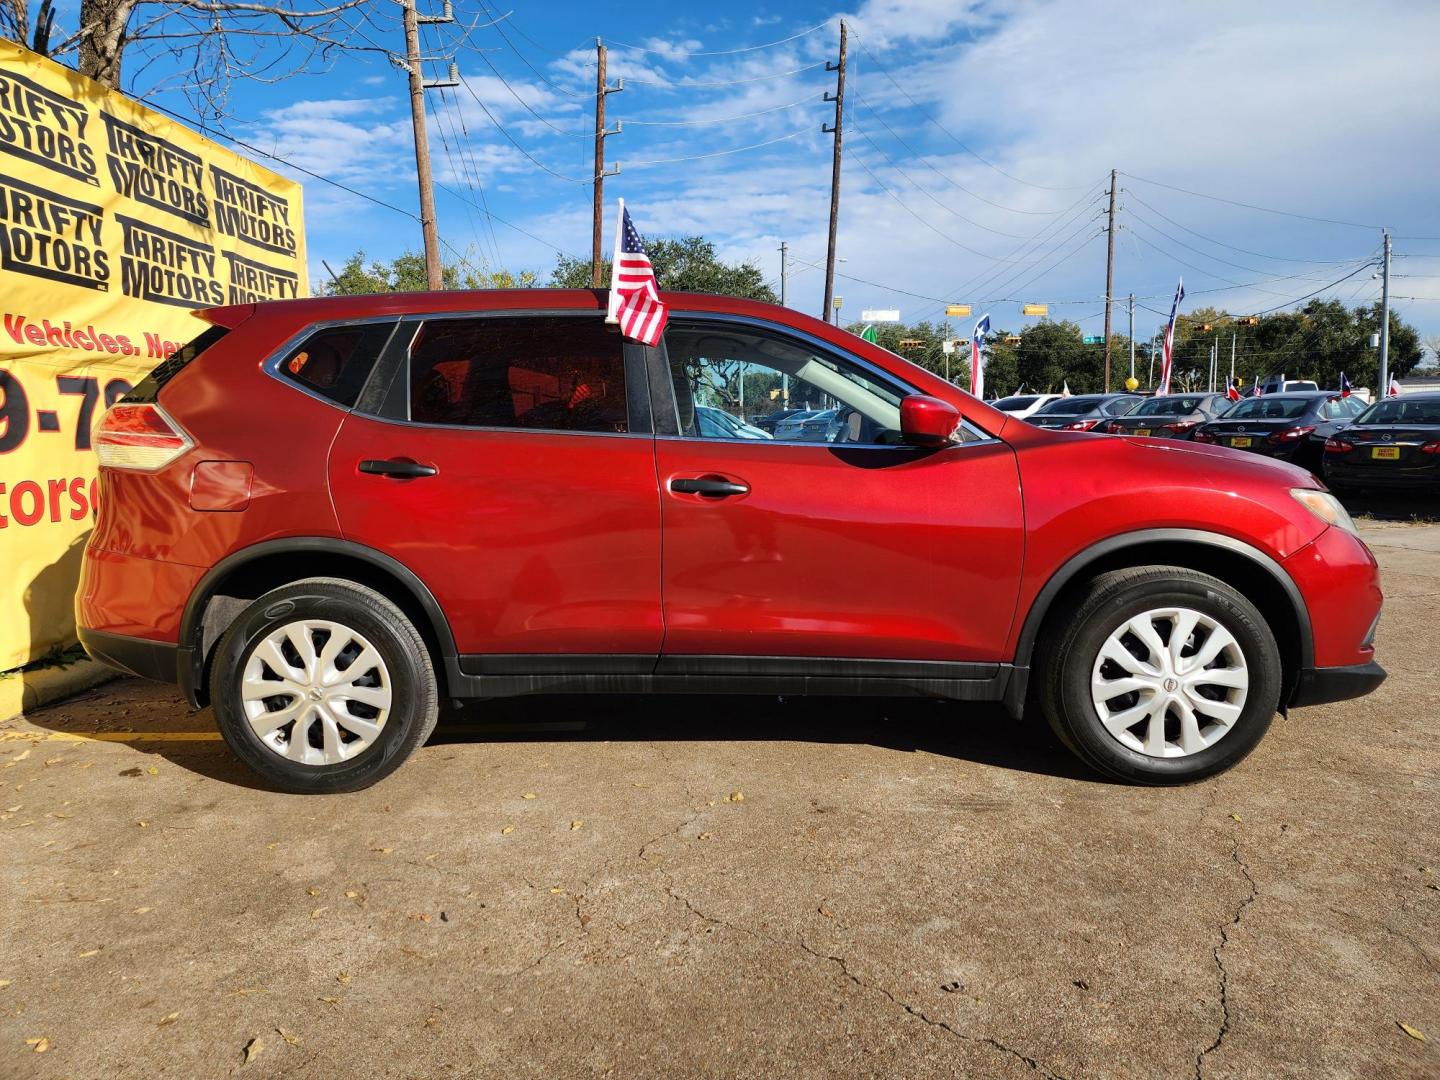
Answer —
(1220, 962)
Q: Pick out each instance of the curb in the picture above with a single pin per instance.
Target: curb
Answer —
(26, 691)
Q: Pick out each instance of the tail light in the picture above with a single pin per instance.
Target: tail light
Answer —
(1340, 446)
(139, 437)
(1290, 434)
(1204, 436)
(1182, 426)
(1431, 448)
(1081, 425)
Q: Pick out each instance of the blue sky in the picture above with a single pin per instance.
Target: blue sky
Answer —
(979, 138)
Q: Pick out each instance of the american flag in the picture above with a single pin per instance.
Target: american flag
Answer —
(977, 357)
(1168, 357)
(634, 298)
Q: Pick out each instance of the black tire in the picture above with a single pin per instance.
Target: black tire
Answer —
(413, 709)
(1070, 646)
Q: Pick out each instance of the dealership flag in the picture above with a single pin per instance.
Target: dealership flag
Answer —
(1168, 358)
(635, 302)
(1232, 391)
(1393, 390)
(1344, 385)
(977, 357)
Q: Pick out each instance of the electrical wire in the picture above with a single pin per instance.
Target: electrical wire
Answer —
(958, 141)
(515, 143)
(1252, 206)
(527, 106)
(1232, 247)
(714, 153)
(723, 52)
(691, 85)
(719, 119)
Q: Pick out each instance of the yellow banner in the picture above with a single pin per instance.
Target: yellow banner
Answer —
(115, 223)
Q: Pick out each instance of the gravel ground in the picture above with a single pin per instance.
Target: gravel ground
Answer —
(731, 887)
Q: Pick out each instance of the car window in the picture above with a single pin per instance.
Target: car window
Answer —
(729, 369)
(1118, 407)
(336, 361)
(1168, 406)
(1016, 404)
(1400, 411)
(551, 373)
(1269, 408)
(1071, 406)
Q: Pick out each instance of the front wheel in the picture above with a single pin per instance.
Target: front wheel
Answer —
(323, 686)
(1159, 675)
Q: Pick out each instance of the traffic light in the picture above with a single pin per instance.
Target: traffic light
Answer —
(1248, 320)
(1012, 339)
(1204, 328)
(912, 343)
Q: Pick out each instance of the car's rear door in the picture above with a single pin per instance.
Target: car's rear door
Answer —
(507, 461)
(782, 550)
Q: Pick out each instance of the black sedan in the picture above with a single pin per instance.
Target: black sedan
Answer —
(766, 421)
(1291, 426)
(1082, 412)
(1174, 416)
(1393, 444)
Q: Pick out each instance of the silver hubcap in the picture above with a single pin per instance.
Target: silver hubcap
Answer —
(1169, 682)
(316, 692)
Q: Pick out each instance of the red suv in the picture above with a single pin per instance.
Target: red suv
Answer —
(323, 517)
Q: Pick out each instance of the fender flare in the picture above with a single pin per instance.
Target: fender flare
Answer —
(1035, 617)
(208, 586)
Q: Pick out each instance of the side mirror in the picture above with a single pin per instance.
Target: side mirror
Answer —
(927, 421)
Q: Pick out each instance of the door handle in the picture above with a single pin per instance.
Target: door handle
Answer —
(706, 485)
(398, 468)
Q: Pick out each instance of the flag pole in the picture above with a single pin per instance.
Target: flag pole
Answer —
(612, 306)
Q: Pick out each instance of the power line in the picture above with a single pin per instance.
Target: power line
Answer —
(515, 143)
(724, 52)
(1252, 206)
(1232, 247)
(526, 105)
(715, 153)
(694, 84)
(720, 119)
(947, 131)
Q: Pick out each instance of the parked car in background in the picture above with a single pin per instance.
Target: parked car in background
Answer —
(1082, 412)
(1023, 406)
(809, 427)
(766, 421)
(1292, 427)
(325, 517)
(1393, 444)
(720, 421)
(1278, 384)
(1174, 416)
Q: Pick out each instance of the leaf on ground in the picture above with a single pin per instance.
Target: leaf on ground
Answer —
(312, 891)
(735, 796)
(13, 809)
(330, 1001)
(142, 911)
(529, 795)
(92, 952)
(432, 856)
(705, 836)
(54, 760)
(168, 1018)
(293, 1040)
(421, 915)
(153, 771)
(382, 850)
(143, 824)
(5, 982)
(577, 823)
(132, 772)
(351, 894)
(826, 912)
(41, 1044)
(556, 890)
(1235, 816)
(318, 912)
(21, 756)
(253, 1048)
(507, 830)
(1414, 1033)
(343, 978)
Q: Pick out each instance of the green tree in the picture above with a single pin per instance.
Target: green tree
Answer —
(406, 273)
(686, 264)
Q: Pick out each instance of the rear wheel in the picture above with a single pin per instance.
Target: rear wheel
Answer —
(1159, 675)
(323, 686)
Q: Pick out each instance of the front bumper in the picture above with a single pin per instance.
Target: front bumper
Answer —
(1319, 686)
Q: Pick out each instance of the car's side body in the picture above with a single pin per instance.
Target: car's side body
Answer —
(1392, 446)
(1082, 412)
(1292, 426)
(1173, 416)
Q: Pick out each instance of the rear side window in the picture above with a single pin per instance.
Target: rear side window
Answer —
(148, 388)
(336, 361)
(549, 373)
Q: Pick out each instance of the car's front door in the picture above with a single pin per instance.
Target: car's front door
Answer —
(509, 469)
(855, 548)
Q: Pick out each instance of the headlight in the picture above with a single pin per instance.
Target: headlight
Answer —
(1325, 507)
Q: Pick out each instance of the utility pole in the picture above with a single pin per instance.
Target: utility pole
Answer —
(1385, 321)
(1150, 379)
(434, 273)
(598, 211)
(1109, 274)
(839, 98)
(1132, 336)
(784, 271)
(1232, 360)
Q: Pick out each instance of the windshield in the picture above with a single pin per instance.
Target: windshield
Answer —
(1269, 408)
(1070, 406)
(1426, 411)
(1168, 406)
(1016, 404)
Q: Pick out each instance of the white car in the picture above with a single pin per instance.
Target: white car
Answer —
(1021, 406)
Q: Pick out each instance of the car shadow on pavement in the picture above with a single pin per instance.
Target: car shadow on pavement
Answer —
(979, 732)
(1401, 508)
